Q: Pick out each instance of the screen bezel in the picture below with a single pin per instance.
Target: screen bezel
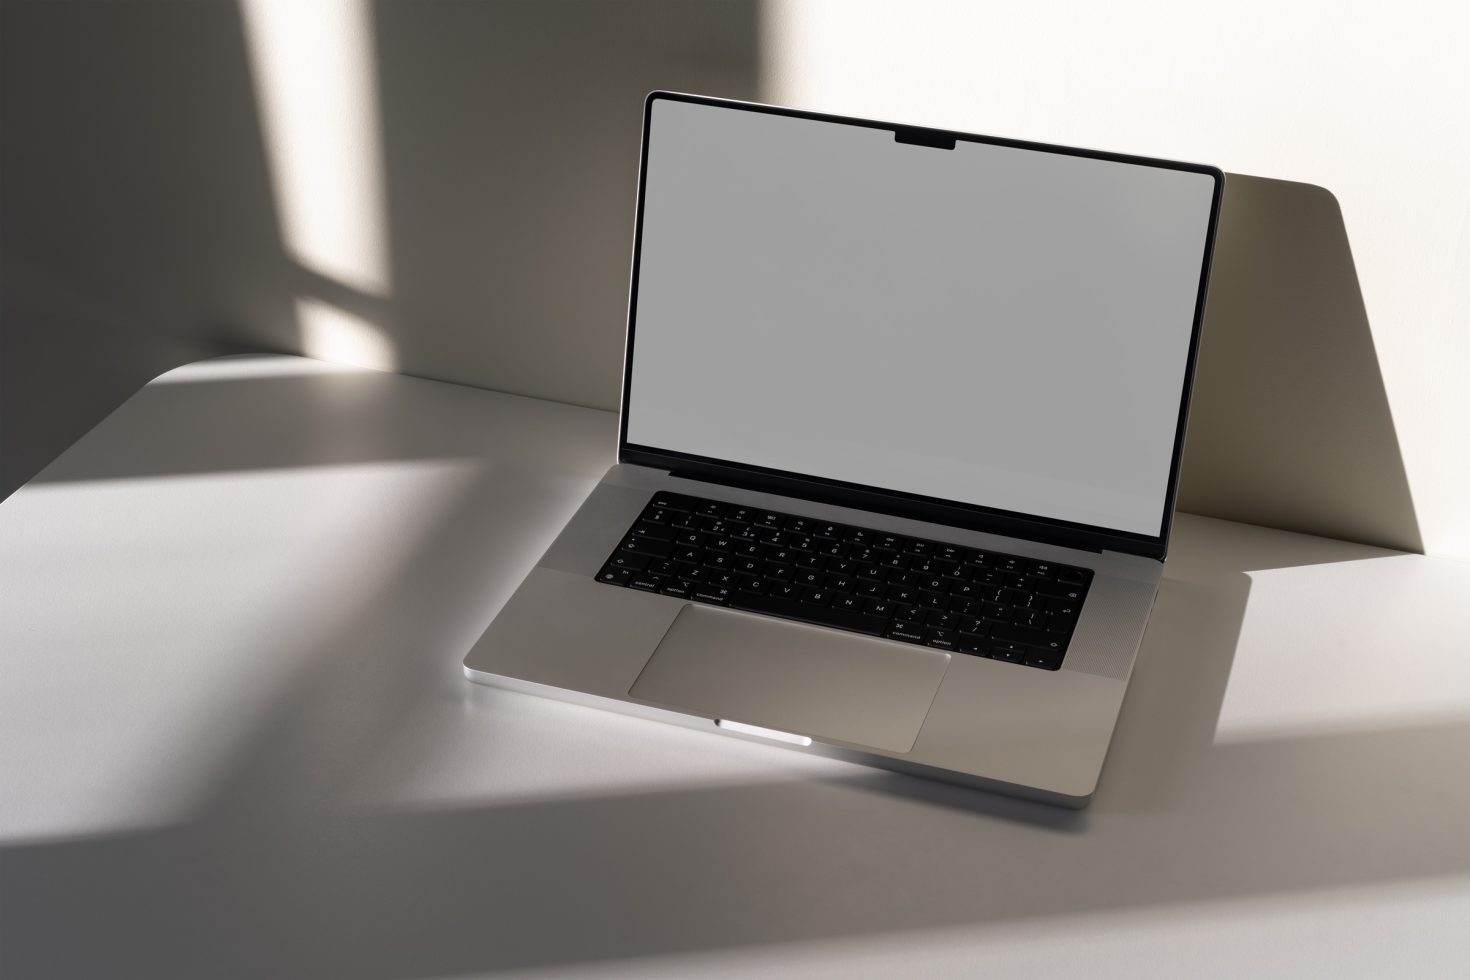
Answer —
(896, 502)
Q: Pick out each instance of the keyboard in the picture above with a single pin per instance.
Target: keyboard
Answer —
(912, 590)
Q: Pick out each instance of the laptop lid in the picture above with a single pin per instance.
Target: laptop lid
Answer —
(975, 331)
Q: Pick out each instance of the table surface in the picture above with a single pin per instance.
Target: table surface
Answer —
(237, 741)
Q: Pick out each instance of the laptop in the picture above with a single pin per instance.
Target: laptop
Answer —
(902, 414)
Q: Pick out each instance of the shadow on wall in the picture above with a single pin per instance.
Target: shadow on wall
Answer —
(141, 229)
(1290, 425)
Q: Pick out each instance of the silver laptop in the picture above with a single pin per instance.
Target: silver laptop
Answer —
(902, 415)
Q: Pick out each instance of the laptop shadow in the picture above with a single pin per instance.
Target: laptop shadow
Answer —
(1290, 425)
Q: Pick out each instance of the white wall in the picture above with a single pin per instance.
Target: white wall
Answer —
(439, 187)
(1368, 100)
(150, 213)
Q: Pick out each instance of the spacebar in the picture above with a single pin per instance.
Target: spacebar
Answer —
(808, 613)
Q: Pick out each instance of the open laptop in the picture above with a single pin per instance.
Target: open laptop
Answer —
(902, 415)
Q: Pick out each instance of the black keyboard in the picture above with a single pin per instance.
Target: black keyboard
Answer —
(982, 603)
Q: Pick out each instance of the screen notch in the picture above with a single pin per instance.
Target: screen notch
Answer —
(924, 137)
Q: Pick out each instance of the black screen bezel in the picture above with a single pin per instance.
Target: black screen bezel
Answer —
(896, 502)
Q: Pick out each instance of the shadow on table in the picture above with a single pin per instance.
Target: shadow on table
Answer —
(280, 875)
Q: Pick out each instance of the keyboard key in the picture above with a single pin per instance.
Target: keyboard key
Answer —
(969, 590)
(1073, 576)
(990, 576)
(944, 639)
(678, 588)
(941, 620)
(615, 576)
(1029, 637)
(973, 626)
(994, 612)
(1011, 652)
(1059, 590)
(1062, 607)
(709, 508)
(879, 607)
(623, 559)
(778, 572)
(1031, 618)
(643, 546)
(646, 582)
(654, 532)
(849, 602)
(907, 632)
(933, 566)
(749, 583)
(706, 593)
(816, 597)
(1060, 624)
(785, 590)
(673, 501)
(839, 583)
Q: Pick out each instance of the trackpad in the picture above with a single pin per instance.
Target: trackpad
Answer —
(800, 679)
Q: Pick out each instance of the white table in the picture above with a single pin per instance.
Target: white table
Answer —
(235, 739)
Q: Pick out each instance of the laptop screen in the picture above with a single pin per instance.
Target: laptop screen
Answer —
(986, 324)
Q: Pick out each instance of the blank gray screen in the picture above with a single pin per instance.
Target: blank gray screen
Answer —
(989, 325)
